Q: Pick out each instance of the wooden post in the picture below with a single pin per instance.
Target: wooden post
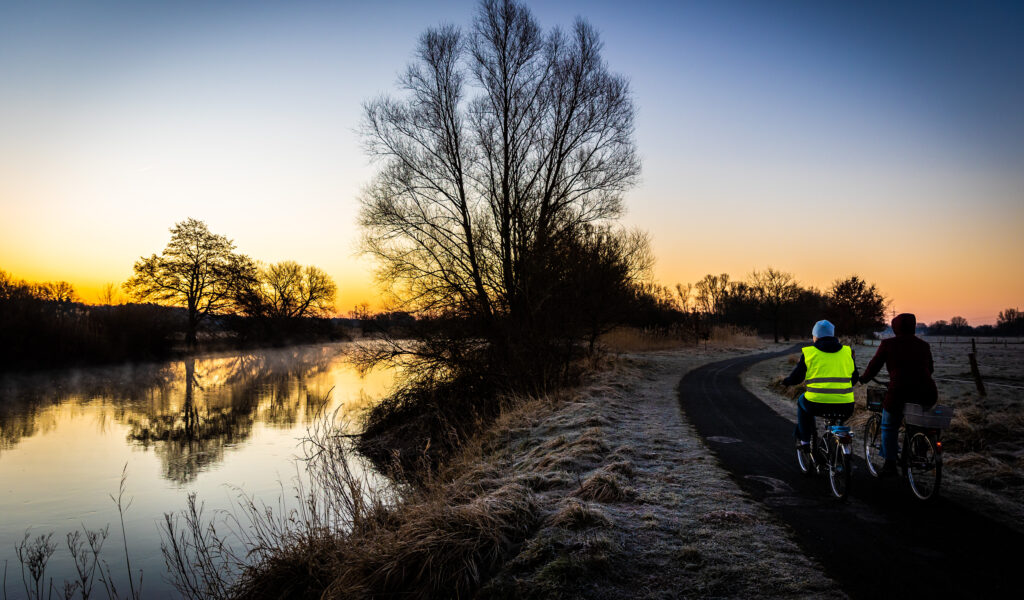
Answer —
(974, 371)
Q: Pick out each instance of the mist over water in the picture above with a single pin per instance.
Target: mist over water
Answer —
(215, 425)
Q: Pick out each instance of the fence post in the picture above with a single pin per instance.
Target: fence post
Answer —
(973, 357)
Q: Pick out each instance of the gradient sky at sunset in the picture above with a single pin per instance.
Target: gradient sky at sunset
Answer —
(885, 139)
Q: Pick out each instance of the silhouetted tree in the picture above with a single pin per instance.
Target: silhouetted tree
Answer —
(288, 290)
(709, 294)
(687, 301)
(198, 270)
(855, 307)
(599, 268)
(506, 145)
(57, 291)
(1010, 322)
(808, 308)
(110, 294)
(776, 291)
(959, 325)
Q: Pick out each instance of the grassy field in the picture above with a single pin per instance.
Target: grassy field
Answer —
(984, 448)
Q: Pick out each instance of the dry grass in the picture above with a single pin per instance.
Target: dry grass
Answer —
(355, 539)
(438, 549)
(579, 515)
(632, 339)
(730, 336)
(604, 486)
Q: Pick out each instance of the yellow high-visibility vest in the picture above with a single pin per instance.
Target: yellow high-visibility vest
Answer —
(828, 375)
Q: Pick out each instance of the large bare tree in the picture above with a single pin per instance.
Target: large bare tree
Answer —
(504, 142)
(198, 270)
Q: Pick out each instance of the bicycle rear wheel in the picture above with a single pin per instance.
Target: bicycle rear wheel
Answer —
(839, 472)
(923, 466)
(873, 445)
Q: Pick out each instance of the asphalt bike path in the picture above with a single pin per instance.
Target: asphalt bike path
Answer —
(880, 542)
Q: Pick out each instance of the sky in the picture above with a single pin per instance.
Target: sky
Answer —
(884, 139)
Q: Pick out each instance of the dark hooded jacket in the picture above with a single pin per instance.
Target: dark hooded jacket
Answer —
(825, 344)
(908, 359)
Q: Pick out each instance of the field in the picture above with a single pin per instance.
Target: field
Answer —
(984, 448)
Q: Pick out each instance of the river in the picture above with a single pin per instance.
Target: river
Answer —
(215, 425)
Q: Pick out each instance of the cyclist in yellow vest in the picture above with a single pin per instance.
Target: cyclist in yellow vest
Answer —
(828, 369)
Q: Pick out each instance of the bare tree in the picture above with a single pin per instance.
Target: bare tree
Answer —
(56, 291)
(776, 291)
(198, 270)
(710, 293)
(290, 290)
(506, 142)
(959, 325)
(110, 295)
(1010, 321)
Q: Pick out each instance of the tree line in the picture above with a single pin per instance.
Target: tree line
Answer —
(1010, 322)
(197, 283)
(768, 301)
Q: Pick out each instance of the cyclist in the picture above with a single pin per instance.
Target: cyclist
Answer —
(908, 359)
(830, 373)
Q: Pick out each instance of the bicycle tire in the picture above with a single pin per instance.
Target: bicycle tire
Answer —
(923, 466)
(804, 461)
(873, 445)
(839, 472)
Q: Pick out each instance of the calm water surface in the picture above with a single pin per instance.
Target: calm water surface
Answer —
(211, 425)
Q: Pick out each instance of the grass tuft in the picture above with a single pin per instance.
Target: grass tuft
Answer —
(604, 486)
(579, 515)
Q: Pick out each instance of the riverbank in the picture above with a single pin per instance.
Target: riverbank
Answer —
(603, 491)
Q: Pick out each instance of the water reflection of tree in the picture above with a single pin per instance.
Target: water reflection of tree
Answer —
(237, 392)
(188, 412)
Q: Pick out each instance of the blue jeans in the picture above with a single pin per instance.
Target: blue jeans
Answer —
(890, 434)
(805, 429)
(806, 411)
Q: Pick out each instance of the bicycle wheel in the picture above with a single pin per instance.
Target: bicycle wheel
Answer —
(873, 445)
(803, 459)
(839, 472)
(923, 466)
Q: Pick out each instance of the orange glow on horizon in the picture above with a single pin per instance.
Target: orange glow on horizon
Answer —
(981, 290)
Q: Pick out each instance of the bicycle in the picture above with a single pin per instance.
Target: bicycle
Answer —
(920, 445)
(829, 452)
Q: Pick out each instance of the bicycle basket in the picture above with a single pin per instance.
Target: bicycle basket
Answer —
(875, 398)
(938, 417)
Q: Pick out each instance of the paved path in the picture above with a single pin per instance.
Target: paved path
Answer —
(880, 543)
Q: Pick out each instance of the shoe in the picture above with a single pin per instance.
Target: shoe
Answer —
(888, 468)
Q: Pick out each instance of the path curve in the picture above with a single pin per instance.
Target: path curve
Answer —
(880, 542)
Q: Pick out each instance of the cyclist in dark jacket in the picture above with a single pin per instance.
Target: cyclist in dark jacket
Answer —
(908, 359)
